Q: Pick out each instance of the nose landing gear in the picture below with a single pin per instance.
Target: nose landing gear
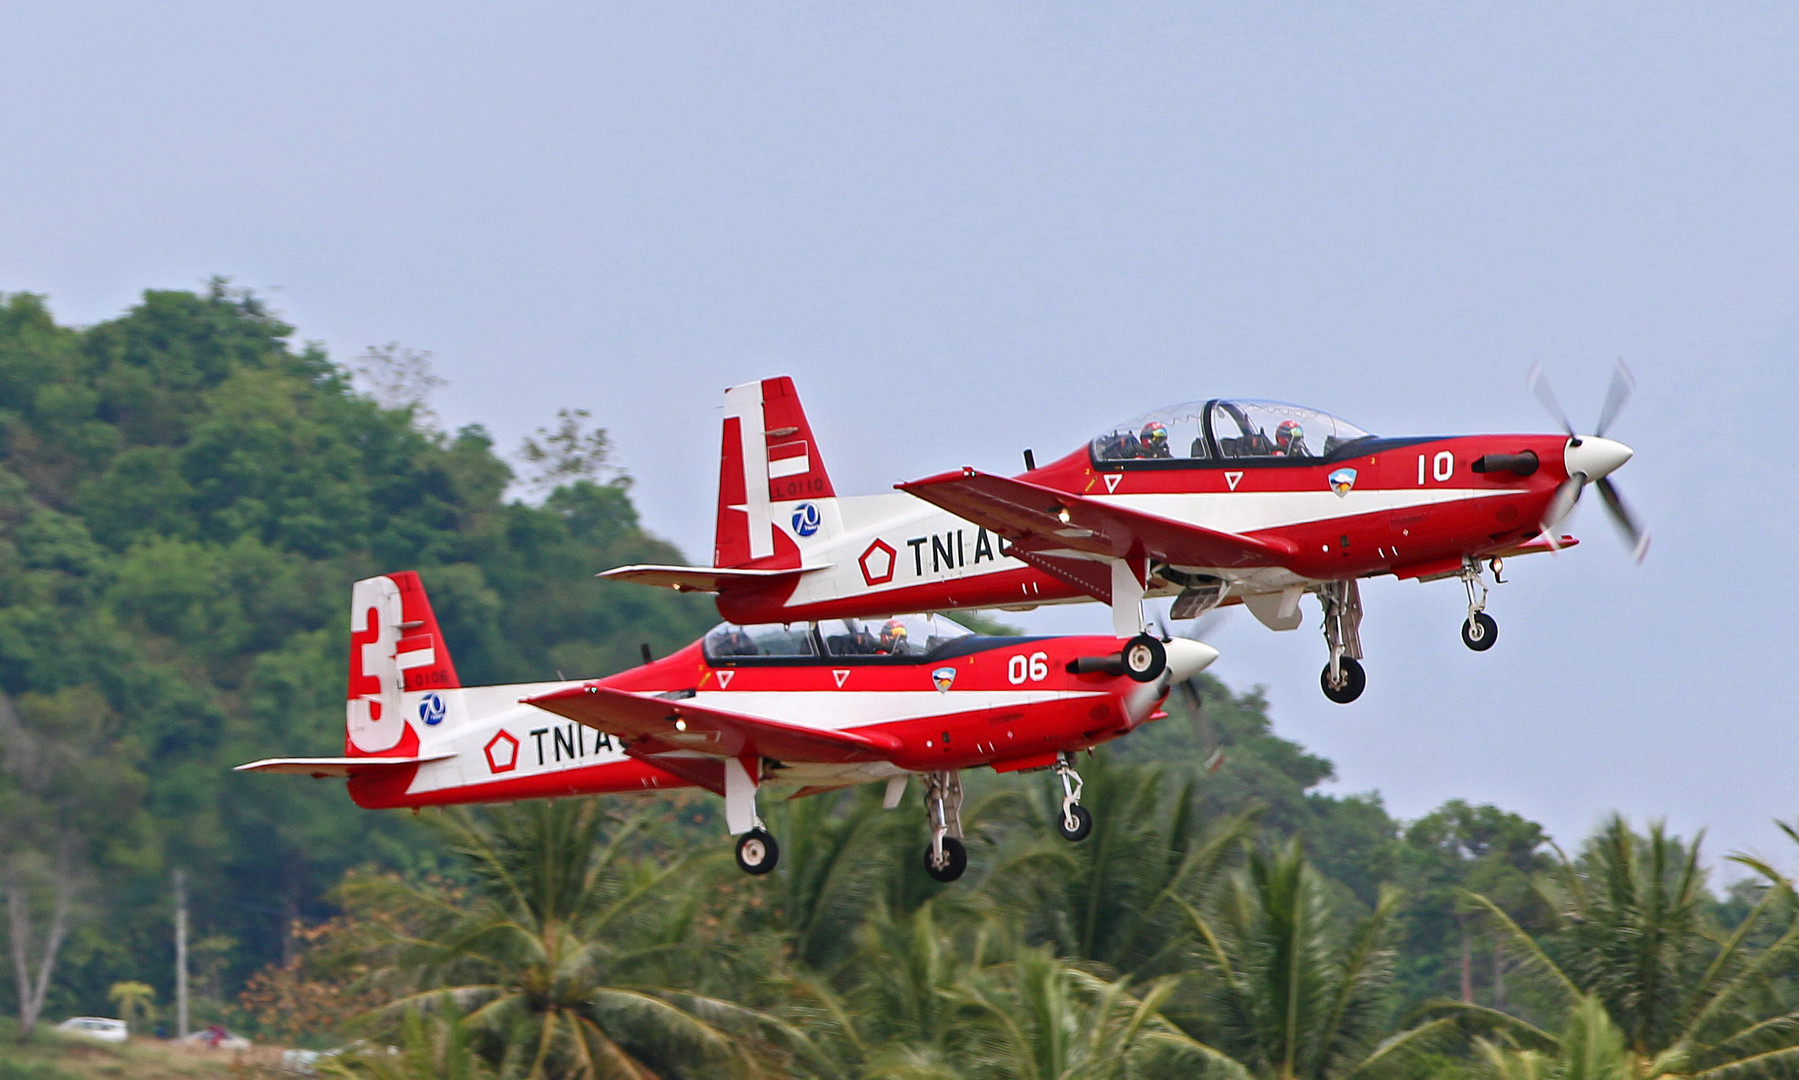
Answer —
(1480, 630)
(946, 858)
(1343, 679)
(1076, 820)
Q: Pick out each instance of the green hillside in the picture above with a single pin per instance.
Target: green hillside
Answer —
(185, 497)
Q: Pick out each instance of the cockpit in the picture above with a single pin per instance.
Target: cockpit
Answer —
(901, 638)
(1224, 430)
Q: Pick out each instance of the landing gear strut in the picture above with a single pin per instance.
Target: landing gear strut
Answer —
(1076, 822)
(1480, 631)
(1343, 679)
(946, 858)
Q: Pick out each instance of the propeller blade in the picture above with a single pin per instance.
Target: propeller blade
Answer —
(1561, 504)
(1627, 522)
(1191, 690)
(1623, 383)
(1539, 385)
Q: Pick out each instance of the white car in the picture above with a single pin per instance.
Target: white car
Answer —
(96, 1027)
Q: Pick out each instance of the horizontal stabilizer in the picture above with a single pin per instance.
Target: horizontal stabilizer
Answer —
(681, 725)
(1036, 518)
(335, 766)
(709, 579)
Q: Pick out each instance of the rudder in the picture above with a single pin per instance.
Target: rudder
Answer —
(768, 454)
(395, 648)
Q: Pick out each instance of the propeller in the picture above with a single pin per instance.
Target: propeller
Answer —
(1590, 460)
(1202, 726)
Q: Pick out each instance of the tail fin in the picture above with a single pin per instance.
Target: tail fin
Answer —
(768, 456)
(395, 648)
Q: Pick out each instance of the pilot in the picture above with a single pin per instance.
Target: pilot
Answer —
(734, 642)
(1289, 439)
(893, 638)
(1154, 440)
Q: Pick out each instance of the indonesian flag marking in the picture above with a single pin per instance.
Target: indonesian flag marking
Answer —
(416, 652)
(789, 459)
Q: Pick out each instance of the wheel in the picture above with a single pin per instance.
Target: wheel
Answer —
(955, 860)
(1144, 658)
(1083, 824)
(757, 852)
(1355, 680)
(1480, 632)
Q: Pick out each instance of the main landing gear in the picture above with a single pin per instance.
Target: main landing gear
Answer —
(1076, 821)
(757, 852)
(1480, 630)
(946, 858)
(1343, 679)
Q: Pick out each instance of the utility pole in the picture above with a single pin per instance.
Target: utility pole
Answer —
(180, 954)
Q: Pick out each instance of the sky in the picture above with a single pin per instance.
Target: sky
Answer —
(967, 229)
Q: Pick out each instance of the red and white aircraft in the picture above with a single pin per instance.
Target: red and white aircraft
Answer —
(1212, 502)
(806, 706)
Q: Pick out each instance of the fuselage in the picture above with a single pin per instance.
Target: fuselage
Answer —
(1412, 507)
(1009, 703)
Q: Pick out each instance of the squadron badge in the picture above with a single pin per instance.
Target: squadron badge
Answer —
(943, 678)
(1341, 481)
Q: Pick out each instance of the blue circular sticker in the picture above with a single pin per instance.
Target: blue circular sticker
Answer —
(431, 710)
(805, 519)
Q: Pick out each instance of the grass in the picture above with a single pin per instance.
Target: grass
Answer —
(49, 1055)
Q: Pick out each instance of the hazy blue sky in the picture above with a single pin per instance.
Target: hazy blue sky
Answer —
(967, 229)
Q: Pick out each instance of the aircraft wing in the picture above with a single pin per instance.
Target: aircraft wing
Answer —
(698, 578)
(335, 766)
(1041, 519)
(715, 732)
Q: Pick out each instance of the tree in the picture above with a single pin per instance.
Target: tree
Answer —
(136, 1001)
(1631, 934)
(567, 453)
(1045, 1020)
(1453, 850)
(554, 947)
(1117, 898)
(1287, 1000)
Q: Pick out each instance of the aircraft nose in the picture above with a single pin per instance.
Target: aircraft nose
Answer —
(1187, 658)
(1595, 456)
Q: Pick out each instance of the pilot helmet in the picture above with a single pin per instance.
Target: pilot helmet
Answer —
(894, 631)
(1154, 435)
(1288, 434)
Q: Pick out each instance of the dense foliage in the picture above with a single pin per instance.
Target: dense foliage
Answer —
(184, 498)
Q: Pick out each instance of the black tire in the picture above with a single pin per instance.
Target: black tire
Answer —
(955, 858)
(757, 852)
(1480, 632)
(1355, 680)
(1083, 825)
(1144, 658)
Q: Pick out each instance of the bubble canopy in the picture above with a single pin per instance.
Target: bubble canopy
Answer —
(902, 636)
(1227, 429)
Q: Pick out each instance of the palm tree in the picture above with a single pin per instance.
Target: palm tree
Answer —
(1038, 1018)
(431, 1048)
(1290, 995)
(1116, 898)
(1633, 935)
(1590, 1048)
(555, 949)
